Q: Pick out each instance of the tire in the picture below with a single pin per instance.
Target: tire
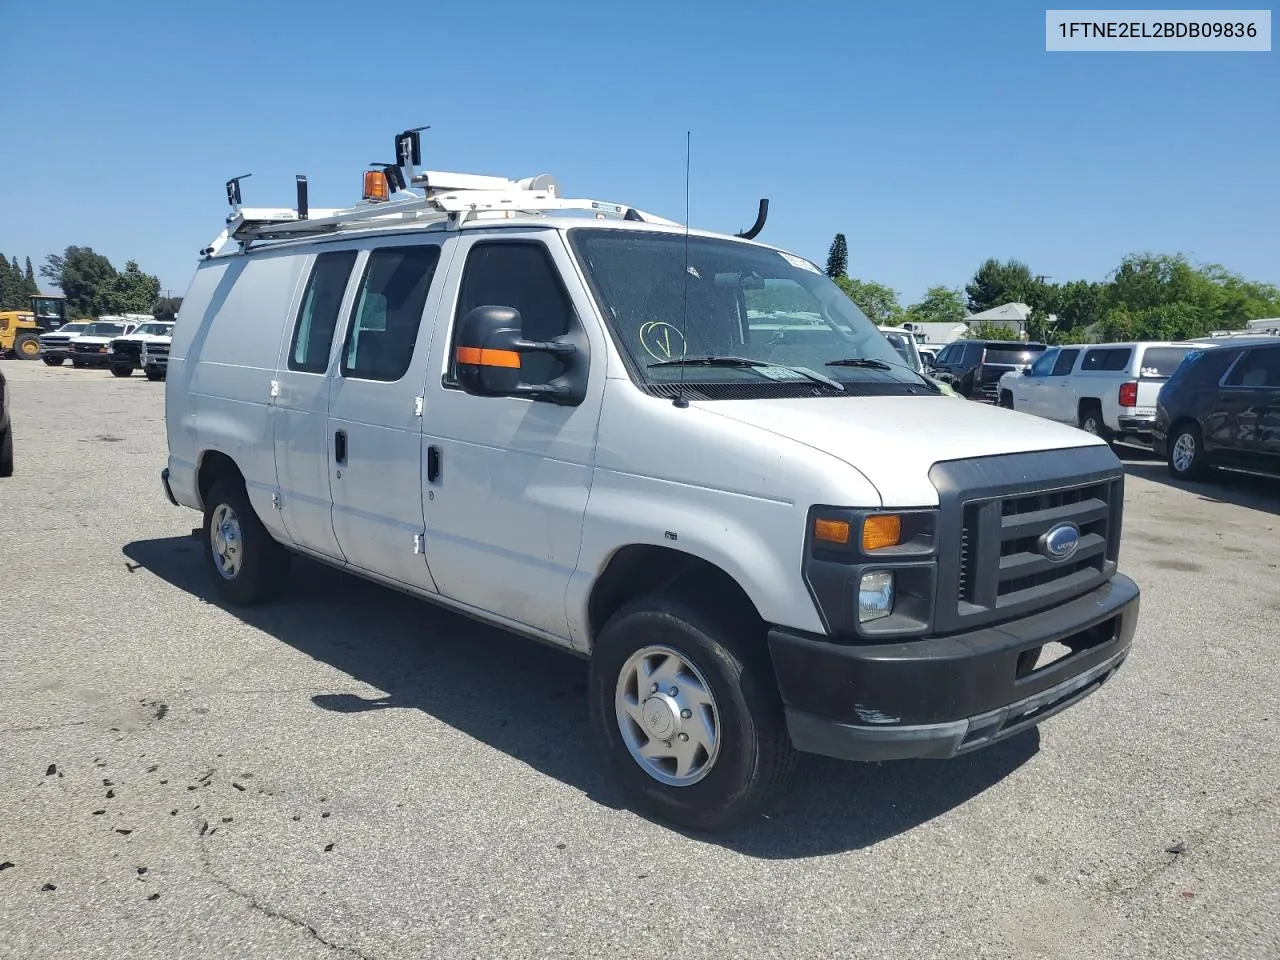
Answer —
(1006, 399)
(153, 374)
(53, 361)
(262, 568)
(121, 371)
(753, 760)
(27, 346)
(1187, 460)
(6, 453)
(1091, 421)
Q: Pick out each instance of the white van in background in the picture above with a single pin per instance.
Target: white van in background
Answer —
(684, 455)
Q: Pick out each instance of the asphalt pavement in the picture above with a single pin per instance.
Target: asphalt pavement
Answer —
(353, 773)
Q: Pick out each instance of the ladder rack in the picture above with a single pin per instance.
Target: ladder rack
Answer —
(445, 198)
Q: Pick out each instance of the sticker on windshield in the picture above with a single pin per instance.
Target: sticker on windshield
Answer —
(780, 373)
(799, 262)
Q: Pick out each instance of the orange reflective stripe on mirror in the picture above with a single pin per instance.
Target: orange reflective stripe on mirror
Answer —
(488, 358)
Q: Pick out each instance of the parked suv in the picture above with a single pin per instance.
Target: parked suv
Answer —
(1109, 390)
(1221, 407)
(685, 456)
(126, 352)
(974, 367)
(56, 347)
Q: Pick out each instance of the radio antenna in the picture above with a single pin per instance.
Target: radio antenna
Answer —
(681, 400)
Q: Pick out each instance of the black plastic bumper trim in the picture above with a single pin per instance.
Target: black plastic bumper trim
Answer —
(168, 491)
(942, 741)
(943, 680)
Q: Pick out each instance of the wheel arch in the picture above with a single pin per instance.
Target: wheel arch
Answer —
(212, 466)
(639, 569)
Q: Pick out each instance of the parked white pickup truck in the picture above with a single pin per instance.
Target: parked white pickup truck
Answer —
(1108, 389)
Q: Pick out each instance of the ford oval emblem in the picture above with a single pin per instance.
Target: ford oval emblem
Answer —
(1060, 542)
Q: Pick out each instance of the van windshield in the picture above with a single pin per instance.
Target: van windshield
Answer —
(774, 320)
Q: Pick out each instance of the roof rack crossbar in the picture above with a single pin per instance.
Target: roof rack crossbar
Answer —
(451, 198)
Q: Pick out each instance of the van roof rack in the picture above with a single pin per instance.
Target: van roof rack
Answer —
(391, 199)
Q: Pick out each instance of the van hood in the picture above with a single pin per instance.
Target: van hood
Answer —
(893, 441)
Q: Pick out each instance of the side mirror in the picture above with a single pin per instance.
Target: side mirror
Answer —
(491, 345)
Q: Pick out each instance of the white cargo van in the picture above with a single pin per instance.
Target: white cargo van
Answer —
(686, 456)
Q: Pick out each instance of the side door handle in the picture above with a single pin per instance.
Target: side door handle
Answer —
(340, 447)
(433, 464)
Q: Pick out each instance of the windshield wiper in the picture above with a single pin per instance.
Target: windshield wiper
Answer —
(747, 362)
(868, 362)
(871, 363)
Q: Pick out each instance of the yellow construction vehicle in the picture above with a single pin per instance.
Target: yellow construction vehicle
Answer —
(20, 329)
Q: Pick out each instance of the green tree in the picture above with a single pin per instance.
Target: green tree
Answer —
(878, 302)
(1080, 304)
(87, 280)
(31, 277)
(995, 283)
(838, 258)
(939, 305)
(167, 308)
(10, 287)
(986, 330)
(132, 291)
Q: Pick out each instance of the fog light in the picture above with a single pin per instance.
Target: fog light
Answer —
(875, 596)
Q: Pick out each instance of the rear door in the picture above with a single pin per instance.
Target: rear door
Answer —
(1249, 402)
(375, 411)
(301, 408)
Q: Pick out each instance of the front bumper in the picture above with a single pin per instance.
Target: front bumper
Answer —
(936, 698)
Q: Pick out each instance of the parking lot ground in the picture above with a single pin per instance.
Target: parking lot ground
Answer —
(352, 773)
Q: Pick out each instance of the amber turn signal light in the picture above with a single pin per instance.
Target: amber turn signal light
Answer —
(881, 530)
(831, 531)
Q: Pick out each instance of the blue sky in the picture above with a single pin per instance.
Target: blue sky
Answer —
(933, 135)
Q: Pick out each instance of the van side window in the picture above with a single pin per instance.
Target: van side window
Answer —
(318, 313)
(520, 275)
(388, 312)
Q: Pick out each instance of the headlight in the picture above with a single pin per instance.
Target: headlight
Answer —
(875, 596)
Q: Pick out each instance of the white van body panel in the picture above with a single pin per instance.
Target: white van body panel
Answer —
(225, 369)
(893, 441)
(722, 490)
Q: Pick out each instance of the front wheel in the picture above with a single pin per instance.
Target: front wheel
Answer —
(1006, 399)
(246, 564)
(54, 361)
(155, 373)
(121, 370)
(27, 346)
(687, 708)
(1187, 460)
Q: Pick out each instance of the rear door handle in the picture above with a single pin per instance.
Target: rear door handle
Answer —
(340, 447)
(433, 464)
